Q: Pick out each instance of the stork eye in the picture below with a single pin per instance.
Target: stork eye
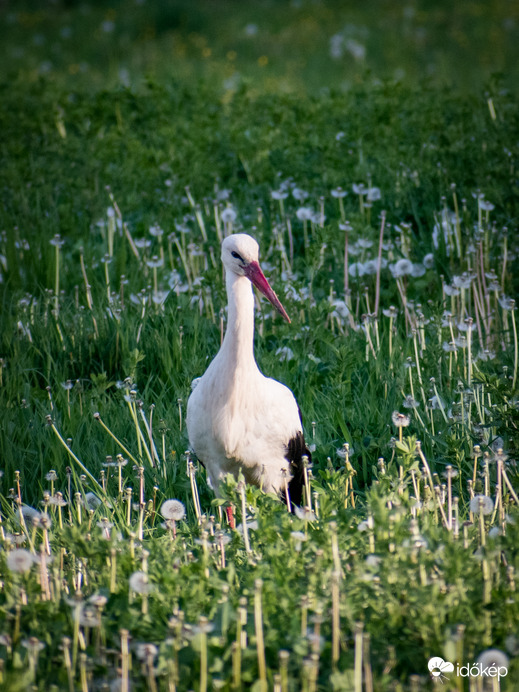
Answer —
(237, 256)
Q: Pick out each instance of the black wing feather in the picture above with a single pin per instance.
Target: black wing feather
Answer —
(296, 450)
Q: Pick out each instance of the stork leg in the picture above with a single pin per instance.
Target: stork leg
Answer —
(229, 510)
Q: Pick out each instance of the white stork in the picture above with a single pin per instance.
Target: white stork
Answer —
(238, 419)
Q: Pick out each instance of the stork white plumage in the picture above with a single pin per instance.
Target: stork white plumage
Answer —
(238, 419)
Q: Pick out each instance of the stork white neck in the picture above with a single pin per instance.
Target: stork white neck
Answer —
(238, 343)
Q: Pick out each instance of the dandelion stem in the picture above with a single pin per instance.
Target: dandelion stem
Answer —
(125, 663)
(116, 439)
(203, 654)
(336, 623)
(56, 280)
(424, 462)
(509, 485)
(359, 628)
(71, 453)
(379, 262)
(244, 517)
(516, 348)
(258, 625)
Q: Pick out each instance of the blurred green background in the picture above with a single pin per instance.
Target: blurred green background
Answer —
(304, 46)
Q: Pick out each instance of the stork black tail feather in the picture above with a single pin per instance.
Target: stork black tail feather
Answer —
(296, 450)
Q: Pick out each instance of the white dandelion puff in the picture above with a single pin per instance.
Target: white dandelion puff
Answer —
(481, 504)
(19, 560)
(139, 582)
(492, 658)
(485, 205)
(299, 194)
(304, 214)
(173, 509)
(298, 538)
(373, 194)
(305, 513)
(285, 353)
(428, 261)
(92, 501)
(146, 651)
(401, 268)
(400, 420)
(228, 215)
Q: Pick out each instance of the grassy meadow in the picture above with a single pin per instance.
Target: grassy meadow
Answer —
(373, 153)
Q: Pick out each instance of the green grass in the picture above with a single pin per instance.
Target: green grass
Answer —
(381, 583)
(272, 45)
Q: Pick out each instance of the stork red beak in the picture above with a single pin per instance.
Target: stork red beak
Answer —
(257, 277)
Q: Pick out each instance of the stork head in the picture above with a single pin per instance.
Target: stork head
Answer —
(240, 255)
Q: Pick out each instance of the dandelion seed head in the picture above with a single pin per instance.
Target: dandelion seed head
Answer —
(481, 504)
(92, 501)
(30, 514)
(45, 522)
(373, 194)
(228, 215)
(390, 312)
(98, 600)
(450, 472)
(401, 268)
(506, 303)
(155, 262)
(19, 560)
(299, 194)
(298, 536)
(57, 500)
(356, 269)
(417, 270)
(486, 355)
(33, 644)
(366, 524)
(285, 353)
(428, 261)
(146, 651)
(251, 526)
(57, 241)
(435, 403)
(373, 561)
(304, 214)
(464, 281)
(345, 450)
(203, 626)
(305, 514)
(142, 243)
(139, 582)
(87, 616)
(493, 657)
(173, 509)
(156, 230)
(485, 205)
(400, 420)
